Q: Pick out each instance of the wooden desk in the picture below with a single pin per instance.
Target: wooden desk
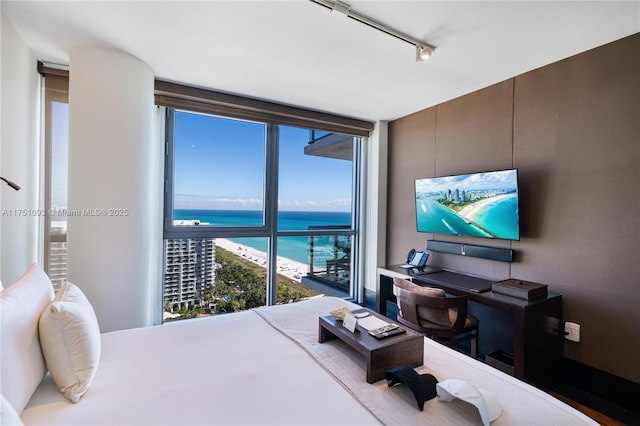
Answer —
(537, 341)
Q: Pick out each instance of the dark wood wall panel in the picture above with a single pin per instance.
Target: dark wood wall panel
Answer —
(577, 142)
(411, 156)
(573, 130)
(474, 133)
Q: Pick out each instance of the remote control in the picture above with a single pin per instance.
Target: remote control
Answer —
(389, 333)
(384, 329)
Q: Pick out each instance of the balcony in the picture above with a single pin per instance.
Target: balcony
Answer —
(57, 267)
(330, 263)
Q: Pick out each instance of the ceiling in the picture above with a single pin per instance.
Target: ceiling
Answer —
(299, 53)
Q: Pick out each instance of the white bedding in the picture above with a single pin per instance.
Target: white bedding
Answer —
(241, 369)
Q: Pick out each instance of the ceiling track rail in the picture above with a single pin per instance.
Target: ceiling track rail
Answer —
(423, 49)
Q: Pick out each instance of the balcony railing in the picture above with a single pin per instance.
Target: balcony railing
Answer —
(330, 260)
(57, 268)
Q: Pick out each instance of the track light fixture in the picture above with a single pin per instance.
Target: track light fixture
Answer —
(423, 50)
(11, 184)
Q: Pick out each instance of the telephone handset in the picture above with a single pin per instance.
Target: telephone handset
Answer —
(417, 259)
(410, 255)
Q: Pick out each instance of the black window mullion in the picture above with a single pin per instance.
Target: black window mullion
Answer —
(170, 116)
(273, 150)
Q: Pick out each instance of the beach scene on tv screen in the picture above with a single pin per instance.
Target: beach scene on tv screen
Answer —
(476, 205)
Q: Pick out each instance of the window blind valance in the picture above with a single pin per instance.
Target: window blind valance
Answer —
(219, 103)
(56, 79)
(206, 101)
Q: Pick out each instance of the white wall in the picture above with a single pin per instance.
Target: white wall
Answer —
(374, 238)
(113, 185)
(19, 155)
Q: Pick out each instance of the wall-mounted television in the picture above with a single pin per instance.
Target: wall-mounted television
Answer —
(474, 205)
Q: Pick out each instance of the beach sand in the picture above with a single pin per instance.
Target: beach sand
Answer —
(469, 211)
(287, 267)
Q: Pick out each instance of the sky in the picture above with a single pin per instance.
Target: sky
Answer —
(502, 179)
(59, 153)
(219, 164)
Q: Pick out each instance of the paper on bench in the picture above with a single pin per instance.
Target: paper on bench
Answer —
(371, 323)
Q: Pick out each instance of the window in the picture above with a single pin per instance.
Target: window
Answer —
(219, 166)
(259, 207)
(256, 214)
(56, 135)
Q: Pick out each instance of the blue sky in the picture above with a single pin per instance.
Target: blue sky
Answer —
(59, 154)
(219, 164)
(502, 179)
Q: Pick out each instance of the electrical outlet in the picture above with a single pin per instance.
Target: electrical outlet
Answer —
(572, 331)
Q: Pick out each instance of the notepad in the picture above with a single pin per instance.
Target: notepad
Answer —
(371, 323)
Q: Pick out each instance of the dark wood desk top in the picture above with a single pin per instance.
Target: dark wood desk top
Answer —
(459, 284)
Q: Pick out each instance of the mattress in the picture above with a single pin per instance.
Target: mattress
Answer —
(266, 367)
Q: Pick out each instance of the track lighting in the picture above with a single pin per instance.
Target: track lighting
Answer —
(423, 53)
(423, 50)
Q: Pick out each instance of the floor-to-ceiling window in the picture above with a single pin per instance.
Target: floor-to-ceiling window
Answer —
(256, 214)
(56, 137)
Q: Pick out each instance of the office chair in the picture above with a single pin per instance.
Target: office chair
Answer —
(439, 316)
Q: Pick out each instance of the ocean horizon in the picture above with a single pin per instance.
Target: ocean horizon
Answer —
(294, 248)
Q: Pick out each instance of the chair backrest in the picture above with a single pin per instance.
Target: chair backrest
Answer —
(418, 303)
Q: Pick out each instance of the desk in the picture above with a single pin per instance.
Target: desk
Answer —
(537, 343)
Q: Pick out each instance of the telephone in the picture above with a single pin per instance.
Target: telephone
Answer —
(416, 259)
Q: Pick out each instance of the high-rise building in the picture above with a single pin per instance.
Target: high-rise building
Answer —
(188, 270)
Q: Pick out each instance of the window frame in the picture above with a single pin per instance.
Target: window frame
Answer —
(56, 89)
(171, 231)
(269, 229)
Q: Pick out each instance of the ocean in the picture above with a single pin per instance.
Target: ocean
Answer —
(294, 248)
(500, 218)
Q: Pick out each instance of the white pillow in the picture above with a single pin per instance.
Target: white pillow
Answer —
(8, 416)
(21, 360)
(70, 338)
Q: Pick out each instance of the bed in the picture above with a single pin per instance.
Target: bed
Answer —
(265, 366)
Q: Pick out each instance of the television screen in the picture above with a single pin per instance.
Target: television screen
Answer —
(474, 205)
